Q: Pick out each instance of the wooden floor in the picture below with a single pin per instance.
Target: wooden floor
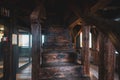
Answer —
(94, 73)
(26, 73)
(1, 69)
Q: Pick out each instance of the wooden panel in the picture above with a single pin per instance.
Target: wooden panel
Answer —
(106, 56)
(58, 40)
(36, 30)
(58, 57)
(85, 50)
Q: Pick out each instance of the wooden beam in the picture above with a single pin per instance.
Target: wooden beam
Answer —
(85, 50)
(78, 42)
(74, 8)
(99, 5)
(107, 27)
(35, 14)
(106, 58)
(78, 33)
(90, 18)
(36, 49)
(94, 52)
(72, 25)
(10, 59)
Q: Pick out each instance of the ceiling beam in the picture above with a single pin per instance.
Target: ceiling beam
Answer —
(35, 14)
(76, 22)
(39, 12)
(77, 12)
(108, 27)
(99, 5)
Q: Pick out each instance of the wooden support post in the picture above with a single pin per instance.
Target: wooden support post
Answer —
(119, 65)
(106, 59)
(78, 41)
(85, 50)
(94, 49)
(29, 47)
(10, 52)
(7, 56)
(36, 30)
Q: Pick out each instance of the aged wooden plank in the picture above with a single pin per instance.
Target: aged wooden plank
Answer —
(94, 50)
(85, 49)
(7, 55)
(106, 59)
(10, 52)
(36, 32)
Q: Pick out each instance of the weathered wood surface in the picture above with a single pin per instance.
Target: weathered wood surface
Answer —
(59, 60)
(94, 50)
(106, 59)
(36, 51)
(58, 40)
(10, 51)
(85, 50)
(59, 57)
(7, 56)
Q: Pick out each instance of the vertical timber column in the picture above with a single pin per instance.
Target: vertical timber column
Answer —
(119, 65)
(10, 51)
(106, 59)
(85, 50)
(78, 41)
(36, 30)
(94, 46)
(7, 55)
(29, 46)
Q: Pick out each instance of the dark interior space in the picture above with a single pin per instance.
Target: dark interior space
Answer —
(59, 40)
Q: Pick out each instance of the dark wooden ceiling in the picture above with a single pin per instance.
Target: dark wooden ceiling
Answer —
(70, 12)
(62, 8)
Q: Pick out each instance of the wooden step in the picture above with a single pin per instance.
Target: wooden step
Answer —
(58, 57)
(52, 64)
(69, 78)
(61, 72)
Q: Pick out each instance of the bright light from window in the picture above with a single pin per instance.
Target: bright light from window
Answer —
(1, 27)
(1, 35)
(90, 40)
(117, 19)
(24, 40)
(43, 39)
(30, 40)
(81, 39)
(116, 52)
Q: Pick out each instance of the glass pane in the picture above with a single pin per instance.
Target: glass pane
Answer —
(24, 40)
(24, 65)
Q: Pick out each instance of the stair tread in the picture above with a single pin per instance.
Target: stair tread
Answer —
(59, 64)
(69, 78)
(59, 57)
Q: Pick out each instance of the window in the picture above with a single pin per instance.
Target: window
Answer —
(43, 39)
(4, 12)
(80, 39)
(30, 40)
(24, 40)
(90, 40)
(1, 31)
(116, 52)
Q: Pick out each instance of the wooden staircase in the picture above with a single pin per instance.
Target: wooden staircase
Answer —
(59, 58)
